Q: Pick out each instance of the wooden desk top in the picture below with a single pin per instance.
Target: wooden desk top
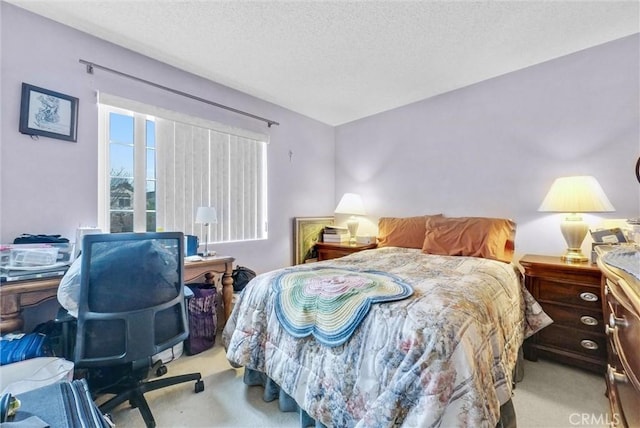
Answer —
(14, 296)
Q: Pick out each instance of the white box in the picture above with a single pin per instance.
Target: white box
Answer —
(26, 375)
(366, 240)
(31, 257)
(23, 255)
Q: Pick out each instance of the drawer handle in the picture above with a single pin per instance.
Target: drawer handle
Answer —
(587, 320)
(589, 344)
(588, 297)
(615, 376)
(617, 322)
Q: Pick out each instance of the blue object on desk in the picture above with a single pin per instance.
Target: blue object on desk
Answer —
(191, 245)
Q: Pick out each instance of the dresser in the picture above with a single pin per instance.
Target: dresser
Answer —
(329, 250)
(571, 295)
(621, 307)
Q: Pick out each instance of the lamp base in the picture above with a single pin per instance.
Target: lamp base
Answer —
(574, 230)
(574, 255)
(352, 225)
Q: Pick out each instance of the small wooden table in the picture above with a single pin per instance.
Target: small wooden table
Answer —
(23, 294)
(570, 294)
(330, 250)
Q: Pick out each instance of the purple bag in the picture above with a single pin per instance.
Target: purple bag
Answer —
(203, 318)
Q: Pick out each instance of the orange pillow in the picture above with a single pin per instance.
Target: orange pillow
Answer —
(489, 238)
(407, 232)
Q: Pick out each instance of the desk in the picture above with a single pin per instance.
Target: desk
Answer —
(23, 294)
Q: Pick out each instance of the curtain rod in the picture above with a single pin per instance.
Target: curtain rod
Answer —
(91, 66)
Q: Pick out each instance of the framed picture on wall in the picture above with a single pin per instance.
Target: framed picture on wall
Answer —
(307, 231)
(48, 113)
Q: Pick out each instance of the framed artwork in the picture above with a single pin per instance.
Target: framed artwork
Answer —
(48, 113)
(608, 236)
(307, 231)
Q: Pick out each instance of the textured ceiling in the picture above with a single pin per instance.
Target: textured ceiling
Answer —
(341, 61)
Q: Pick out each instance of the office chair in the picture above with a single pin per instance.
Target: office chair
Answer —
(131, 307)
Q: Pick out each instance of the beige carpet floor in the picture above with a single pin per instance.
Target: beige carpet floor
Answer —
(550, 396)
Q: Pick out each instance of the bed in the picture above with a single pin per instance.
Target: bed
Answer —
(441, 351)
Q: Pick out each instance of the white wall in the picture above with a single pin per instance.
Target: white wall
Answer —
(494, 148)
(49, 186)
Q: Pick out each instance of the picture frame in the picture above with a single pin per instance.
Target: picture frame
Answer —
(608, 236)
(48, 113)
(307, 231)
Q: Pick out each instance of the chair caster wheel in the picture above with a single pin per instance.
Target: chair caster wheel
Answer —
(161, 371)
(199, 386)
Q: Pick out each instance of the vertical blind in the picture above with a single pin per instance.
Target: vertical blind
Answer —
(204, 163)
(204, 167)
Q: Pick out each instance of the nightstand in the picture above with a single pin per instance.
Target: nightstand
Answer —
(570, 294)
(328, 250)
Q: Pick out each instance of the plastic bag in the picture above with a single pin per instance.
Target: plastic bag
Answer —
(203, 318)
(241, 277)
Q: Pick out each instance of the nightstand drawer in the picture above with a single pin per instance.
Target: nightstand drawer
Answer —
(570, 294)
(328, 254)
(328, 251)
(580, 342)
(581, 319)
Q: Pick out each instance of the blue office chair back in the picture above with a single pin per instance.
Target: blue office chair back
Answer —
(132, 302)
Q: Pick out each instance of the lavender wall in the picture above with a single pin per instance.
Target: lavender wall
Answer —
(49, 186)
(491, 149)
(494, 148)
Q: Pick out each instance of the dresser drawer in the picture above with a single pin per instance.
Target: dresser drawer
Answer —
(582, 319)
(624, 399)
(580, 342)
(571, 294)
(624, 331)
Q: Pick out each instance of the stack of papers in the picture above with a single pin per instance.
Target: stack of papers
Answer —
(16, 273)
(335, 234)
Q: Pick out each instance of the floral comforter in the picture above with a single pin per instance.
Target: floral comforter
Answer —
(442, 357)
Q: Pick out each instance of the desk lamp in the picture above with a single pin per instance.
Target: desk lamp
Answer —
(575, 195)
(351, 203)
(206, 216)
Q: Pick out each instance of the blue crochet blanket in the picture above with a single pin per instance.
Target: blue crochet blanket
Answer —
(329, 303)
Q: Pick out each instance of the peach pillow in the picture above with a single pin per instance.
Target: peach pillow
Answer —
(407, 232)
(489, 238)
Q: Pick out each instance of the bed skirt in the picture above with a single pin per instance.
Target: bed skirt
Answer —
(286, 403)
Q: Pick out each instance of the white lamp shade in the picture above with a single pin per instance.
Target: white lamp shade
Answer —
(206, 215)
(351, 203)
(581, 194)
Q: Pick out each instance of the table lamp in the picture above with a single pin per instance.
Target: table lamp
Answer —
(206, 216)
(351, 203)
(575, 195)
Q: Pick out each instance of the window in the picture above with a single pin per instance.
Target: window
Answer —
(157, 167)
